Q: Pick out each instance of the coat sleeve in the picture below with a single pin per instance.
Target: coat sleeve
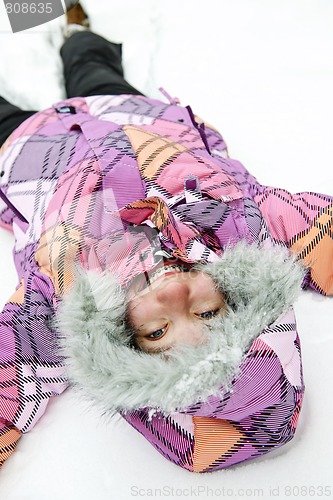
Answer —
(303, 222)
(31, 371)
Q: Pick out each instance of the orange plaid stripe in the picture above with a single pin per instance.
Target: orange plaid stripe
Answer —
(153, 151)
(8, 442)
(315, 247)
(213, 438)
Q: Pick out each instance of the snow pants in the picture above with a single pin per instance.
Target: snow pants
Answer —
(92, 66)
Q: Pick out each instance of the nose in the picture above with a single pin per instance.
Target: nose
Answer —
(176, 297)
(174, 293)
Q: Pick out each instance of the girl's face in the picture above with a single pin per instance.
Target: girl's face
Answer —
(172, 308)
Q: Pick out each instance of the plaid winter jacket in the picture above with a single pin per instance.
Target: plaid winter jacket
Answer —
(113, 183)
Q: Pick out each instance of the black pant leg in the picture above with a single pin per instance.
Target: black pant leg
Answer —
(92, 66)
(10, 118)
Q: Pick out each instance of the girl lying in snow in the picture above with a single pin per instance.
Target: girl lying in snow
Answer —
(155, 273)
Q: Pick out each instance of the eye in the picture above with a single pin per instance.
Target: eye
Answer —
(157, 334)
(209, 314)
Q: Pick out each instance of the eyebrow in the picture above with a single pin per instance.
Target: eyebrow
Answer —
(159, 350)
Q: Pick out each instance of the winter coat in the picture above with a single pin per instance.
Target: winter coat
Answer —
(97, 190)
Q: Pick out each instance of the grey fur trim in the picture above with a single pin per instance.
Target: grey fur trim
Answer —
(260, 285)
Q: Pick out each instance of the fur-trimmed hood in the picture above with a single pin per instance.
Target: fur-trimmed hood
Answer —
(260, 285)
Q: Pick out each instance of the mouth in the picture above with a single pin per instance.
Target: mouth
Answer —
(166, 271)
(146, 279)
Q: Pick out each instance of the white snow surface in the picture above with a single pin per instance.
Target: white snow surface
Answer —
(261, 71)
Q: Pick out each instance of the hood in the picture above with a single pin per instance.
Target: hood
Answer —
(260, 284)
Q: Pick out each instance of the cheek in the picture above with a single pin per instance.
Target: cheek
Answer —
(204, 285)
(133, 315)
(138, 311)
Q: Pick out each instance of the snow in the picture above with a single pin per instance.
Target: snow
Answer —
(262, 73)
